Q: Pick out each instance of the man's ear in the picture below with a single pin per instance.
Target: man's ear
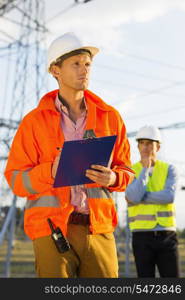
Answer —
(158, 147)
(55, 71)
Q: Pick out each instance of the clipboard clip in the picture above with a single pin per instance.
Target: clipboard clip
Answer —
(89, 134)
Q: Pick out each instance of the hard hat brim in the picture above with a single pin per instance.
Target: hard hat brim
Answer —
(93, 51)
(138, 139)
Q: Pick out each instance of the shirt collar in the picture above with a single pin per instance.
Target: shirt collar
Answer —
(62, 105)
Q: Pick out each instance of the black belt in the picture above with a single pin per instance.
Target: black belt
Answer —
(154, 233)
(78, 218)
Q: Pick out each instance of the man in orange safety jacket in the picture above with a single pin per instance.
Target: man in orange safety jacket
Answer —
(85, 214)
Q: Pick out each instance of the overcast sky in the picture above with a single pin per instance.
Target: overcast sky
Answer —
(140, 69)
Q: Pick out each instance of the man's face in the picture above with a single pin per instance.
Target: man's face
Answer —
(148, 148)
(74, 72)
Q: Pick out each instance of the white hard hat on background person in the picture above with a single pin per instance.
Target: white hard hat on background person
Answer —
(66, 44)
(149, 132)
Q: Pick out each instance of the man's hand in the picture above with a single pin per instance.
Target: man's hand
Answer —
(146, 162)
(128, 201)
(104, 176)
(55, 165)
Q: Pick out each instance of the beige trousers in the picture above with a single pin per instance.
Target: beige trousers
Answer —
(91, 255)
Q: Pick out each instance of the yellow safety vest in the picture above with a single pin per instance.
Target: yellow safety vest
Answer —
(147, 216)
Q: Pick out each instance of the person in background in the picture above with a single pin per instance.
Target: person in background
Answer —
(85, 214)
(151, 209)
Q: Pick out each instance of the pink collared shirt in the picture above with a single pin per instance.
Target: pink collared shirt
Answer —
(74, 131)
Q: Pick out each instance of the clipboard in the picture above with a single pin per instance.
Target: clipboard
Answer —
(77, 156)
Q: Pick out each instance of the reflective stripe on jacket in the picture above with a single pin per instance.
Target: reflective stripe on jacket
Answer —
(147, 216)
(33, 151)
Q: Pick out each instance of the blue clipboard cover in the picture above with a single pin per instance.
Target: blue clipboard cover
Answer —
(78, 156)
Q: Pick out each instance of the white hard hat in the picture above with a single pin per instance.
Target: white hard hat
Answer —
(149, 132)
(65, 44)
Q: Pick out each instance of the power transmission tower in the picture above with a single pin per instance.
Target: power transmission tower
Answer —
(22, 76)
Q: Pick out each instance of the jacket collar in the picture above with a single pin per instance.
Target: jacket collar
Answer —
(91, 97)
(48, 101)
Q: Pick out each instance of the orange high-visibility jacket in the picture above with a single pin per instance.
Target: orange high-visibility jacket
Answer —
(33, 151)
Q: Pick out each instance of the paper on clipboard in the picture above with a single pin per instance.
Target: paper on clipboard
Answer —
(78, 156)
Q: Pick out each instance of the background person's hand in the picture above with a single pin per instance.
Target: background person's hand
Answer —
(103, 176)
(146, 162)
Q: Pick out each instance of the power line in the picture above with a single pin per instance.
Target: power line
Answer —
(9, 123)
(60, 13)
(6, 6)
(110, 83)
(179, 125)
(18, 23)
(13, 124)
(138, 74)
(152, 60)
(154, 91)
(7, 35)
(156, 113)
(34, 20)
(66, 9)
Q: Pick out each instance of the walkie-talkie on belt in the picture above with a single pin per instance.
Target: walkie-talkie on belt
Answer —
(60, 241)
